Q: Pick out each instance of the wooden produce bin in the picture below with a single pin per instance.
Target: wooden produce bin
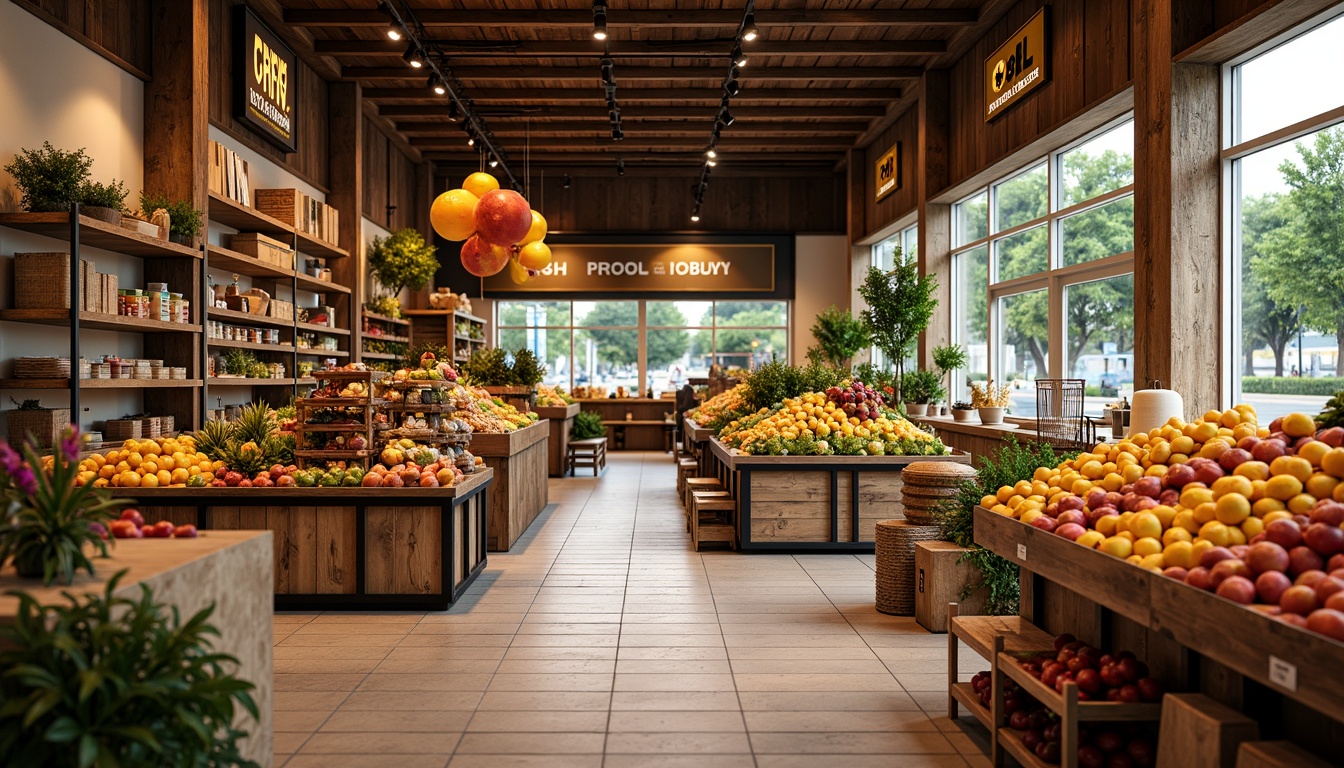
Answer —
(520, 460)
(231, 569)
(812, 503)
(393, 549)
(940, 577)
(695, 439)
(562, 421)
(647, 427)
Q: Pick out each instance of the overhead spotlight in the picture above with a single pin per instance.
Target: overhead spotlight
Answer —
(414, 57)
(452, 112)
(494, 162)
(731, 87)
(393, 28)
(749, 30)
(599, 19)
(436, 84)
(695, 215)
(567, 181)
(615, 114)
(739, 60)
(711, 162)
(711, 153)
(620, 166)
(471, 141)
(616, 133)
(717, 133)
(726, 117)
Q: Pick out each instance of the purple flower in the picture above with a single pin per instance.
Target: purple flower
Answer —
(70, 445)
(23, 479)
(10, 461)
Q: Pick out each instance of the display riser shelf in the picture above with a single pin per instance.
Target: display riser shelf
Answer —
(227, 344)
(99, 383)
(234, 316)
(379, 356)
(967, 697)
(388, 339)
(98, 234)
(96, 321)
(223, 382)
(375, 317)
(313, 285)
(327, 329)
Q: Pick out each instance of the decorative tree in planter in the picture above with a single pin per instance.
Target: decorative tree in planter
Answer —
(51, 179)
(401, 260)
(948, 358)
(900, 304)
(839, 337)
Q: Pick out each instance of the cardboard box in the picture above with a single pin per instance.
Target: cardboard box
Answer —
(281, 310)
(263, 248)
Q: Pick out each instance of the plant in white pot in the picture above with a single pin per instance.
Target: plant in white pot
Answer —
(990, 400)
(919, 388)
(946, 359)
(962, 411)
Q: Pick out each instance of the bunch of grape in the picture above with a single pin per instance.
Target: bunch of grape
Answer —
(856, 400)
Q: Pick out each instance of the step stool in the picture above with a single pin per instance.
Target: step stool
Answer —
(706, 495)
(712, 520)
(698, 484)
(586, 453)
(685, 468)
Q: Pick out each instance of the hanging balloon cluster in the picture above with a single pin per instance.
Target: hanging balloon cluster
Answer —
(499, 228)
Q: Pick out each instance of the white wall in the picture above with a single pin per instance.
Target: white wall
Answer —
(821, 278)
(57, 90)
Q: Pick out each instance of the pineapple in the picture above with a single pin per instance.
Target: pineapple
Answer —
(213, 438)
(255, 424)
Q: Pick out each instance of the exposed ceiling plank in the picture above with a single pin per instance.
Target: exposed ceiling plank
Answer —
(631, 128)
(637, 73)
(480, 49)
(442, 17)
(598, 143)
(628, 95)
(539, 114)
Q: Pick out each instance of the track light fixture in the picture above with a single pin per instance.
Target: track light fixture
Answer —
(711, 162)
(394, 27)
(568, 182)
(746, 31)
(711, 153)
(696, 215)
(726, 117)
(616, 133)
(436, 84)
(599, 19)
(494, 162)
(749, 30)
(414, 57)
(731, 87)
(739, 59)
(620, 166)
(452, 112)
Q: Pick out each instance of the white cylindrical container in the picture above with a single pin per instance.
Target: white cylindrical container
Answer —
(1151, 408)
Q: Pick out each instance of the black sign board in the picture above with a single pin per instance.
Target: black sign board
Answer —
(265, 74)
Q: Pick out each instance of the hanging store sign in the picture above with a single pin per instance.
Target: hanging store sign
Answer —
(644, 268)
(265, 73)
(1018, 67)
(888, 172)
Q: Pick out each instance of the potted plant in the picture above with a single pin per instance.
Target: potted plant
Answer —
(991, 401)
(402, 260)
(103, 201)
(50, 178)
(900, 303)
(106, 680)
(919, 388)
(946, 359)
(839, 337)
(184, 221)
(50, 516)
(962, 411)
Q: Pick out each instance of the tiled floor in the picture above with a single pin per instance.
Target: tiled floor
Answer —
(602, 640)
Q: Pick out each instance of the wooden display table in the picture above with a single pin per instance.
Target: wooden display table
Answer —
(642, 419)
(231, 569)
(812, 503)
(349, 548)
(520, 460)
(983, 440)
(562, 421)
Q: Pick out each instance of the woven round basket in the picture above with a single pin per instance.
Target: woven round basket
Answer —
(895, 547)
(934, 474)
(927, 484)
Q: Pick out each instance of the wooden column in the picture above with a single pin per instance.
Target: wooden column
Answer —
(935, 220)
(422, 199)
(1177, 272)
(856, 167)
(345, 146)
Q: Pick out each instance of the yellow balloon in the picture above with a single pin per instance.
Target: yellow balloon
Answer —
(479, 183)
(453, 214)
(535, 256)
(538, 231)
(517, 272)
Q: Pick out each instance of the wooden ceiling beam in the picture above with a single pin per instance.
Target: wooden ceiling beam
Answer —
(628, 95)
(539, 115)
(637, 73)
(689, 157)
(631, 128)
(819, 17)
(483, 49)
(588, 144)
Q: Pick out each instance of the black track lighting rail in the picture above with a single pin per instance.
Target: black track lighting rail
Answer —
(746, 33)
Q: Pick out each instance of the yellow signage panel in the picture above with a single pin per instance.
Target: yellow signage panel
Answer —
(1018, 67)
(888, 172)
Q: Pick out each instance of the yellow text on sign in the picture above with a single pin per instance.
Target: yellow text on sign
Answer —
(271, 72)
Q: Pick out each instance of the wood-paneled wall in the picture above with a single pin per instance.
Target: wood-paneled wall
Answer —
(118, 30)
(392, 198)
(310, 161)
(878, 214)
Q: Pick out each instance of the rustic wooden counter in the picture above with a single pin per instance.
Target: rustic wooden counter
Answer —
(812, 503)
(983, 439)
(695, 439)
(231, 569)
(348, 548)
(648, 414)
(521, 461)
(562, 421)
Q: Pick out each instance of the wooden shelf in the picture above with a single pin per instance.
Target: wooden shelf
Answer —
(322, 329)
(219, 381)
(465, 316)
(319, 248)
(460, 337)
(426, 312)
(1011, 741)
(385, 319)
(332, 454)
(222, 343)
(310, 352)
(391, 339)
(978, 633)
(231, 213)
(99, 383)
(313, 285)
(227, 260)
(964, 694)
(98, 234)
(356, 427)
(246, 317)
(97, 321)
(340, 402)
(1010, 665)
(379, 356)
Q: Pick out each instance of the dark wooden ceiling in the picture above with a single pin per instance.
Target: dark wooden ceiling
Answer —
(822, 74)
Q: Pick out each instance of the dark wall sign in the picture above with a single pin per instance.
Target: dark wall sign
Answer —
(264, 75)
(888, 172)
(1019, 66)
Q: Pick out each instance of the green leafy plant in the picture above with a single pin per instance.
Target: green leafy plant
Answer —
(238, 362)
(103, 195)
(416, 352)
(587, 425)
(50, 178)
(948, 358)
(184, 219)
(1333, 413)
(107, 681)
(489, 368)
(388, 306)
(402, 260)
(527, 369)
(900, 304)
(51, 518)
(839, 337)
(921, 387)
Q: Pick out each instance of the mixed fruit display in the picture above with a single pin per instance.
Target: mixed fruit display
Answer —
(552, 397)
(1252, 513)
(717, 411)
(848, 420)
(166, 462)
(131, 525)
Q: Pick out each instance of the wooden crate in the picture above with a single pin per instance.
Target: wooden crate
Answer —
(1276, 754)
(1198, 732)
(520, 460)
(940, 578)
(263, 248)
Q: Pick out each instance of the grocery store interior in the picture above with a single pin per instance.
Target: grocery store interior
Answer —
(592, 383)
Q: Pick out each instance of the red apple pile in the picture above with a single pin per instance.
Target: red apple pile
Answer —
(131, 525)
(1099, 676)
(856, 400)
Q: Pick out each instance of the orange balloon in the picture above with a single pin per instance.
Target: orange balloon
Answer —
(479, 183)
(482, 258)
(535, 256)
(538, 231)
(517, 272)
(453, 214)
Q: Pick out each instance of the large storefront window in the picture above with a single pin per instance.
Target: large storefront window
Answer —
(1285, 152)
(662, 343)
(1043, 283)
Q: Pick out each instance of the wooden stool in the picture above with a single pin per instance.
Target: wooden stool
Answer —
(711, 520)
(698, 484)
(670, 438)
(685, 468)
(705, 495)
(586, 453)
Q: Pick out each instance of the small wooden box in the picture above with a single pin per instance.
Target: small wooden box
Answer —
(281, 310)
(1198, 732)
(1276, 754)
(940, 577)
(263, 248)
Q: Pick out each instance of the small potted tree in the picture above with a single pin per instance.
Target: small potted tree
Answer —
(103, 201)
(900, 304)
(991, 401)
(919, 388)
(948, 358)
(49, 178)
(839, 337)
(401, 260)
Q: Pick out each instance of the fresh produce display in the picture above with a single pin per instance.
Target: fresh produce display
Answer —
(717, 411)
(1252, 513)
(819, 424)
(131, 525)
(499, 228)
(163, 463)
(430, 369)
(552, 397)
(583, 392)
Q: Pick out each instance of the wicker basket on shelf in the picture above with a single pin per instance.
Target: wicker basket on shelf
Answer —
(43, 426)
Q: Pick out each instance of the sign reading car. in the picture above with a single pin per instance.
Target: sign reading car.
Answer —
(265, 71)
(649, 268)
(888, 172)
(1019, 66)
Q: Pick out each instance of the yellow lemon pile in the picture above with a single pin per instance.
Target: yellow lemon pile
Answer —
(161, 463)
(813, 415)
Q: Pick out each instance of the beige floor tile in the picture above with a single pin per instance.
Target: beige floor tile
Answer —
(308, 700)
(325, 666)
(861, 761)
(679, 743)
(869, 666)
(556, 666)
(507, 721)
(838, 742)
(674, 682)
(424, 700)
(390, 742)
(678, 761)
(351, 760)
(827, 700)
(526, 761)
(561, 700)
(299, 720)
(815, 682)
(397, 720)
(851, 721)
(289, 742)
(523, 743)
(551, 682)
(663, 653)
(728, 721)
(424, 681)
(673, 666)
(673, 700)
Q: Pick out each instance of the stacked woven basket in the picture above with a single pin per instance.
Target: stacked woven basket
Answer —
(925, 485)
